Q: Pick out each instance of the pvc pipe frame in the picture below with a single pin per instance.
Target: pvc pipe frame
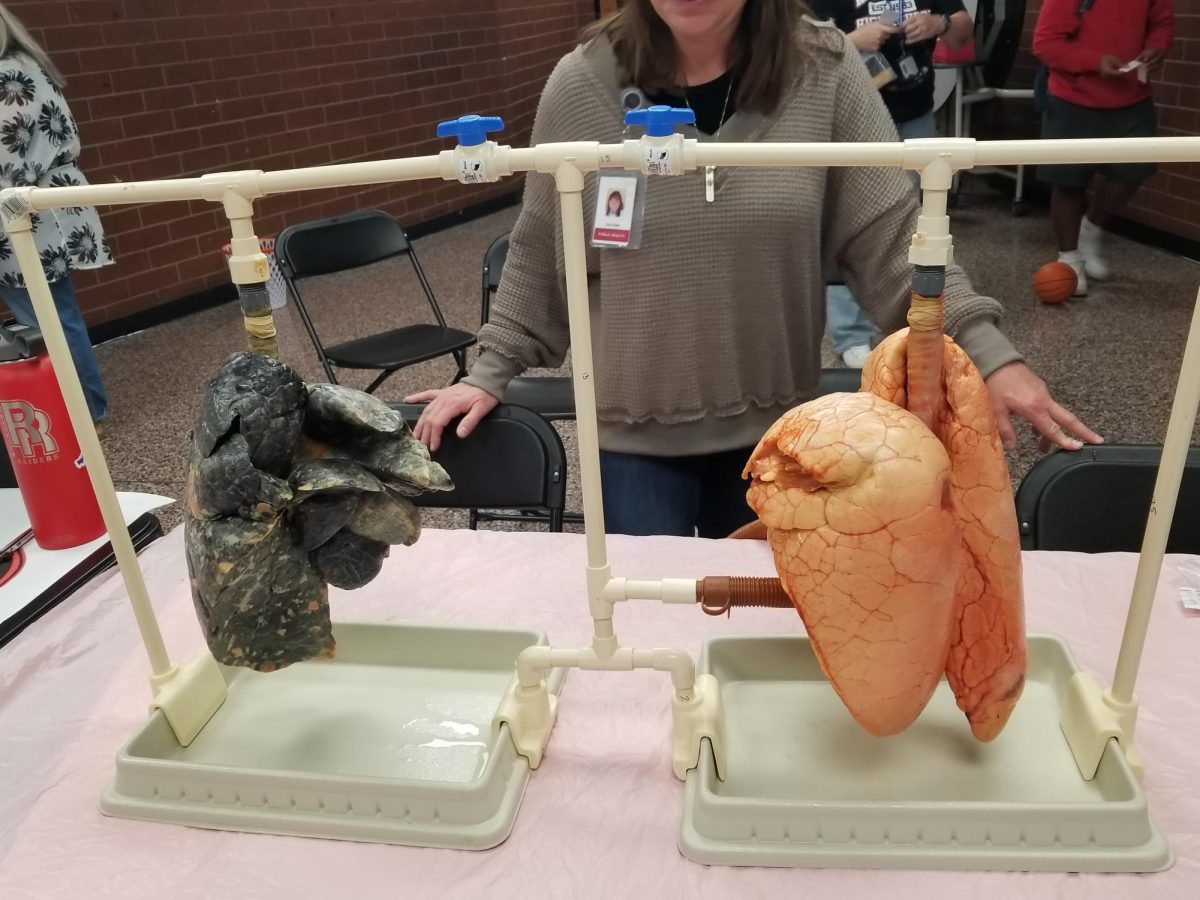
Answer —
(20, 231)
(533, 662)
(1162, 512)
(568, 162)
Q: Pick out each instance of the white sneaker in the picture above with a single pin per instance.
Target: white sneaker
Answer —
(1091, 236)
(1075, 261)
(1095, 267)
(856, 357)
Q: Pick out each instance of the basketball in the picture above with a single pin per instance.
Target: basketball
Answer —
(1054, 282)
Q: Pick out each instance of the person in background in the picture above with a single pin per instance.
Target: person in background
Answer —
(904, 33)
(39, 147)
(1099, 56)
(711, 330)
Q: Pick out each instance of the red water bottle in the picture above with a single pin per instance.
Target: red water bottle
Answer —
(41, 443)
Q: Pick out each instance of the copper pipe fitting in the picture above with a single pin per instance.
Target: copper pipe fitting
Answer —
(717, 594)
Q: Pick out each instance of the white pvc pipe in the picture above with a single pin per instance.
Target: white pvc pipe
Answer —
(1162, 512)
(570, 191)
(209, 187)
(547, 158)
(1009, 153)
(783, 154)
(666, 590)
(350, 174)
(985, 153)
(25, 248)
(533, 662)
(118, 193)
(934, 202)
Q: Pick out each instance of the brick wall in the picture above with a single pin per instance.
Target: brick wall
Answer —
(1170, 200)
(168, 88)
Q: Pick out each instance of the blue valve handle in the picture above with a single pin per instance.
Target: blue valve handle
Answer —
(660, 121)
(471, 131)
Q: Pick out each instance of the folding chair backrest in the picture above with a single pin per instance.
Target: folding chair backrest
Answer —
(493, 267)
(1096, 500)
(339, 243)
(514, 459)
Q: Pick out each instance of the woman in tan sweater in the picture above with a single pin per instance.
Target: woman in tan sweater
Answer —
(712, 329)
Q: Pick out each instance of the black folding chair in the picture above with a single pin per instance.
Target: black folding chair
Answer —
(513, 460)
(550, 396)
(348, 242)
(1096, 500)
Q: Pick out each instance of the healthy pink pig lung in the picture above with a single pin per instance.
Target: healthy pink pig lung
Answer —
(854, 491)
(899, 545)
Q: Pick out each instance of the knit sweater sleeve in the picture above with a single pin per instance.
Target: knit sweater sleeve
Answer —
(527, 326)
(870, 216)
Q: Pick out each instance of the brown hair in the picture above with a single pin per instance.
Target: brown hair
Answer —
(14, 36)
(766, 57)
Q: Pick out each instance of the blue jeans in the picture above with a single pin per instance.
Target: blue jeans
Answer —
(847, 323)
(84, 356)
(920, 127)
(685, 495)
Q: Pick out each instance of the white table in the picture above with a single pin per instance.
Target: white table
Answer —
(46, 573)
(600, 816)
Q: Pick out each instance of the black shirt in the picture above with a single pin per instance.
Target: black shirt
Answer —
(706, 100)
(907, 97)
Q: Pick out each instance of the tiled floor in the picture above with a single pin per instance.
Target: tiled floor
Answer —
(1113, 357)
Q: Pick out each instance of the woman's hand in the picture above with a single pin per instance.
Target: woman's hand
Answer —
(445, 406)
(872, 36)
(1015, 390)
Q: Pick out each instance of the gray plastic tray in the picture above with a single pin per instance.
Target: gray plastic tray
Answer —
(806, 786)
(392, 743)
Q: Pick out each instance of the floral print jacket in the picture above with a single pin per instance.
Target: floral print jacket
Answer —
(39, 147)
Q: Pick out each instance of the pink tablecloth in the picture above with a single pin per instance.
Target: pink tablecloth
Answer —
(600, 816)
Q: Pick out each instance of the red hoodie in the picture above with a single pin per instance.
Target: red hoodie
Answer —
(1071, 47)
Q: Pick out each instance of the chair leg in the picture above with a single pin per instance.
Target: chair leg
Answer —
(383, 376)
(308, 326)
(473, 519)
(433, 304)
(556, 520)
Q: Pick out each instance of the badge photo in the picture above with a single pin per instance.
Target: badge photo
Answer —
(616, 201)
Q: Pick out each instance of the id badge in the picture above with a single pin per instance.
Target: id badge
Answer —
(618, 221)
(882, 73)
(908, 67)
